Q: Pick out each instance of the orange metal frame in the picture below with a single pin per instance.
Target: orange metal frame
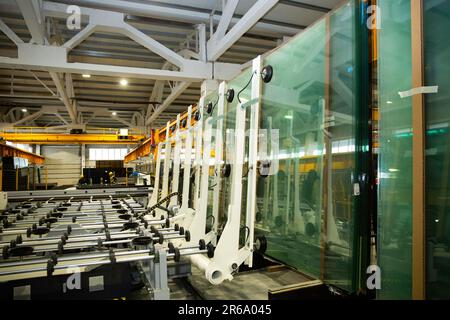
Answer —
(159, 135)
(9, 151)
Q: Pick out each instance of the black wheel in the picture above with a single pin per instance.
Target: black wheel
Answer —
(226, 170)
(161, 238)
(267, 73)
(210, 248)
(230, 95)
(177, 254)
(5, 252)
(261, 244)
(209, 108)
(202, 244)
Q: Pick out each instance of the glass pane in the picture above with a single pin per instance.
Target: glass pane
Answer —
(292, 104)
(437, 111)
(306, 205)
(395, 150)
(212, 99)
(340, 167)
(242, 88)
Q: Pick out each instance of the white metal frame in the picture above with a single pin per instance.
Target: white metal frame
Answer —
(198, 152)
(155, 195)
(176, 163)
(218, 154)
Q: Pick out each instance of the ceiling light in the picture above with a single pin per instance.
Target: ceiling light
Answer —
(124, 82)
(24, 110)
(389, 102)
(288, 117)
(86, 76)
(114, 113)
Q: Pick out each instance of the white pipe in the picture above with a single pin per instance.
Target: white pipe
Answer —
(212, 271)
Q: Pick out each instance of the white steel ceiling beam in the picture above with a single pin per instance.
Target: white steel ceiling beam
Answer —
(155, 10)
(31, 13)
(80, 37)
(171, 98)
(158, 88)
(61, 118)
(108, 21)
(218, 46)
(28, 118)
(9, 33)
(60, 64)
(33, 19)
(225, 20)
(119, 119)
(63, 96)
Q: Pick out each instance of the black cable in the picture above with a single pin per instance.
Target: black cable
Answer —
(248, 233)
(248, 83)
(212, 187)
(214, 105)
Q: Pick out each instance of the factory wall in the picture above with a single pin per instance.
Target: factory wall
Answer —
(63, 163)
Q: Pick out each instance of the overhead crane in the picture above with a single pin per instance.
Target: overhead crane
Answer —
(65, 138)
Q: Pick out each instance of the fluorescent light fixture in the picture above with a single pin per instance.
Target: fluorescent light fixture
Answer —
(86, 75)
(24, 110)
(393, 170)
(389, 102)
(124, 82)
(114, 113)
(289, 116)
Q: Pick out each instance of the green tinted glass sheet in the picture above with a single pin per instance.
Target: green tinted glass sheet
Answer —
(395, 150)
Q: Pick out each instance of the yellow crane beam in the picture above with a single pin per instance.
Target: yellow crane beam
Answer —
(64, 138)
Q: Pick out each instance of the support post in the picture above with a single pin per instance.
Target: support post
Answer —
(253, 155)
(46, 177)
(218, 153)
(158, 276)
(17, 178)
(418, 124)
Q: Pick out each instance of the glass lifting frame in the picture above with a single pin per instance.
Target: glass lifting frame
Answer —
(228, 256)
(161, 194)
(198, 152)
(185, 211)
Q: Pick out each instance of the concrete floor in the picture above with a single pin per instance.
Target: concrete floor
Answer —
(249, 285)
